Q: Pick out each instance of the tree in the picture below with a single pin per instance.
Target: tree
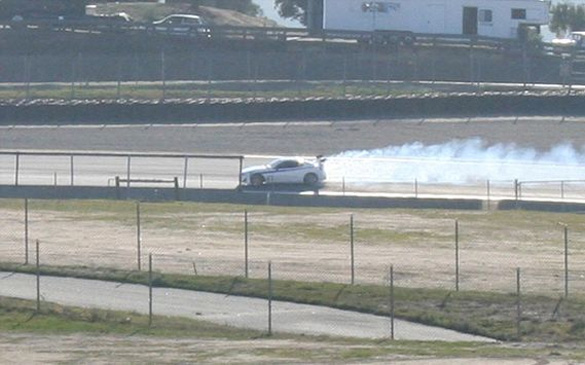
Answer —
(292, 9)
(243, 6)
(567, 18)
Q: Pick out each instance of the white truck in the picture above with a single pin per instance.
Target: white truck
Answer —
(489, 18)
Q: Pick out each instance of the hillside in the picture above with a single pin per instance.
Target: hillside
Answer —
(147, 12)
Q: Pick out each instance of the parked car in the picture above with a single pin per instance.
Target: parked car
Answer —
(574, 39)
(286, 171)
(183, 24)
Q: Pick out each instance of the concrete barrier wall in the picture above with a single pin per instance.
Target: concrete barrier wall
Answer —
(230, 196)
(559, 207)
(468, 105)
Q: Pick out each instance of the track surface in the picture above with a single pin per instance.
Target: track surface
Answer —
(302, 138)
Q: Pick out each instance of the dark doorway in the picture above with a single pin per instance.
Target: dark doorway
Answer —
(469, 21)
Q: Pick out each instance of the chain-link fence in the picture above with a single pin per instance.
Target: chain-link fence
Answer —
(217, 73)
(475, 250)
(508, 254)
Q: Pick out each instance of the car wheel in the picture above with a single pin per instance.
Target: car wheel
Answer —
(257, 180)
(311, 179)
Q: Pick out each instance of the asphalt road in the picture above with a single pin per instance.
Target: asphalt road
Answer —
(290, 138)
(219, 308)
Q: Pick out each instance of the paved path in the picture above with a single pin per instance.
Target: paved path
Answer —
(219, 308)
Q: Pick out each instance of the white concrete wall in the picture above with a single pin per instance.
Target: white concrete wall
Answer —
(432, 16)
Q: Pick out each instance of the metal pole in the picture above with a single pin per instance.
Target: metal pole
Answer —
(200, 181)
(17, 168)
(240, 172)
(138, 236)
(344, 75)
(209, 72)
(516, 189)
(391, 302)
(119, 83)
(488, 193)
(566, 231)
(246, 243)
(73, 79)
(269, 298)
(185, 167)
(456, 255)
(27, 75)
(72, 169)
(351, 235)
(26, 231)
(416, 188)
(128, 172)
(149, 289)
(163, 75)
(562, 190)
(518, 303)
(38, 267)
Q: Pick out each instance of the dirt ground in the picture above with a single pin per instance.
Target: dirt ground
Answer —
(312, 244)
(87, 349)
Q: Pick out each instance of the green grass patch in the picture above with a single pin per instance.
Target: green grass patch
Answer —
(21, 316)
(482, 313)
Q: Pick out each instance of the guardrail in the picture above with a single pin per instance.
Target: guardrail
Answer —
(16, 169)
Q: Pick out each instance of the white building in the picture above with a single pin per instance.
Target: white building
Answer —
(490, 18)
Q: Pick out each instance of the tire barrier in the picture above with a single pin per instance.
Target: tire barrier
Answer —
(202, 110)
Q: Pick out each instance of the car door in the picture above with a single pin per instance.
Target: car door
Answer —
(286, 172)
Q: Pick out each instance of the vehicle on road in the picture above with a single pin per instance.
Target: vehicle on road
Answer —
(183, 24)
(294, 170)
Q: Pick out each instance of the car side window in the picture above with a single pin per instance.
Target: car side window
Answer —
(287, 165)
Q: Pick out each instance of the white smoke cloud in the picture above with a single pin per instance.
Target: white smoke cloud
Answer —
(458, 161)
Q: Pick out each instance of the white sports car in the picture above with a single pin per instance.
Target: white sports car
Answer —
(286, 171)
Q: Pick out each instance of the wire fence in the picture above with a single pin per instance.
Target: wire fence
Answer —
(448, 250)
(213, 73)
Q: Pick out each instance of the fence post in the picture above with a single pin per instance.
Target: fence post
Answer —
(246, 243)
(488, 187)
(566, 236)
(119, 80)
(344, 75)
(185, 167)
(128, 163)
(416, 188)
(516, 189)
(391, 302)
(27, 75)
(269, 298)
(562, 190)
(163, 75)
(456, 255)
(38, 269)
(26, 231)
(518, 304)
(176, 183)
(149, 289)
(16, 168)
(71, 170)
(352, 252)
(118, 187)
(138, 236)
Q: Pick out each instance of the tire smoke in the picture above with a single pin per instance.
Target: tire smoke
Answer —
(458, 161)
